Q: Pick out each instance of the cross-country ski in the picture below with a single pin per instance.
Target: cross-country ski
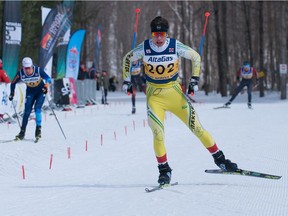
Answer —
(244, 173)
(160, 187)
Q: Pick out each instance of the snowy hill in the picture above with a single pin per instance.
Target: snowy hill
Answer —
(112, 161)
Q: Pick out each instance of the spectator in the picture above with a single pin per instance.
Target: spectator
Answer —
(104, 83)
(3, 76)
(82, 72)
(137, 82)
(112, 83)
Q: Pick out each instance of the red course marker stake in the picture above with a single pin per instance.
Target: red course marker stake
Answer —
(23, 172)
(51, 159)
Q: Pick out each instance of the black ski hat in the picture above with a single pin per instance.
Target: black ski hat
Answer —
(159, 24)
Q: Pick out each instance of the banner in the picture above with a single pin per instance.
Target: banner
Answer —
(61, 55)
(73, 54)
(44, 12)
(12, 31)
(61, 92)
(62, 45)
(56, 25)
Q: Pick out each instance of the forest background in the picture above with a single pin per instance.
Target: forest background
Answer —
(237, 31)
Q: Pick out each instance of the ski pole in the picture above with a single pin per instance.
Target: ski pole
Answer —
(16, 114)
(55, 115)
(137, 11)
(207, 14)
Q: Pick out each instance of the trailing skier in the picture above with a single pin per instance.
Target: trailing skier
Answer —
(37, 82)
(247, 73)
(137, 82)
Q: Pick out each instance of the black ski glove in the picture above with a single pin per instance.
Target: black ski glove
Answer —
(127, 87)
(11, 96)
(45, 89)
(193, 85)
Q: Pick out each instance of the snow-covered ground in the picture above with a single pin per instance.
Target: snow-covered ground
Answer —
(112, 161)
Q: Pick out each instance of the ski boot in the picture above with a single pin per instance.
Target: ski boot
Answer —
(223, 163)
(165, 174)
(227, 104)
(249, 105)
(21, 135)
(38, 132)
(133, 110)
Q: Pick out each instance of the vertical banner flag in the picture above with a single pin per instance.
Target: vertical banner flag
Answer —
(56, 24)
(45, 11)
(73, 54)
(12, 31)
(98, 47)
(63, 43)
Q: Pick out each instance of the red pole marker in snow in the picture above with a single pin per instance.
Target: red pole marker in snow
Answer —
(51, 159)
(86, 146)
(68, 152)
(101, 139)
(23, 172)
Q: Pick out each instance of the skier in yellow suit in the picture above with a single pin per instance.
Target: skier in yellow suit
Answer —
(160, 56)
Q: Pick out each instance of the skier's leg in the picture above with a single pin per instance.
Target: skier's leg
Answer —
(182, 108)
(236, 92)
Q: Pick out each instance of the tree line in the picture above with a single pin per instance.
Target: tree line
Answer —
(237, 31)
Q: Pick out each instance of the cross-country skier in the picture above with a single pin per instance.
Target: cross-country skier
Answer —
(37, 82)
(247, 73)
(137, 81)
(160, 56)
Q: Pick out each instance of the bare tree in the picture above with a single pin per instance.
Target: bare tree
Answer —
(220, 55)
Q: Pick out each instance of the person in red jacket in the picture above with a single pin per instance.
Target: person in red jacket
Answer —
(3, 76)
(247, 73)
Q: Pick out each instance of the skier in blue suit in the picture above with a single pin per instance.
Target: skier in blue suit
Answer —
(37, 82)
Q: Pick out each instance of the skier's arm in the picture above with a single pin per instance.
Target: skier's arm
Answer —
(13, 83)
(189, 53)
(131, 56)
(238, 74)
(255, 73)
(45, 76)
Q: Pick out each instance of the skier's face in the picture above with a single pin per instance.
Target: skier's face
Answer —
(28, 70)
(246, 67)
(159, 38)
